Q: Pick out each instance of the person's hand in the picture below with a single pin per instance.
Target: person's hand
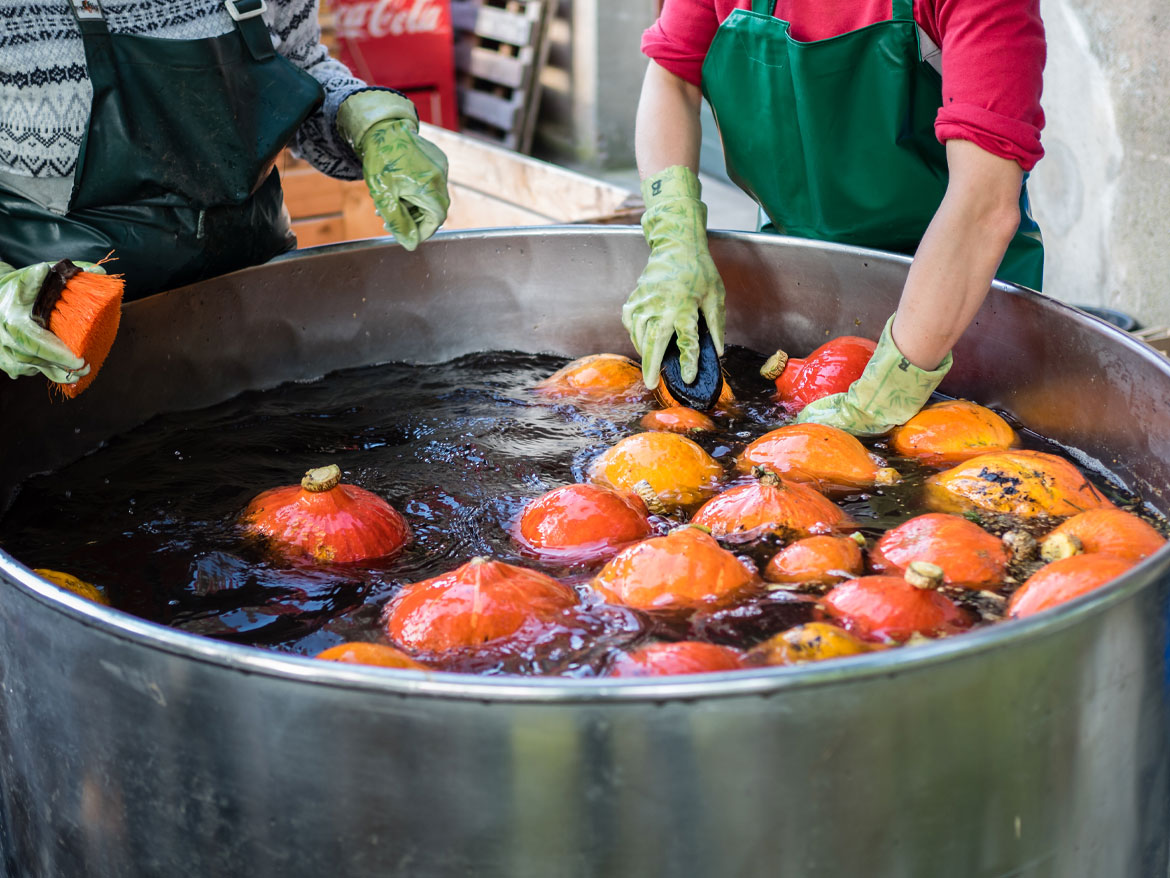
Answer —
(406, 174)
(680, 279)
(889, 392)
(26, 346)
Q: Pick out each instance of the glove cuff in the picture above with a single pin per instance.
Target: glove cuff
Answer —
(361, 111)
(677, 181)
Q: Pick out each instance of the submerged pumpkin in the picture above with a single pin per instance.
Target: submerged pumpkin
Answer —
(896, 608)
(676, 471)
(582, 522)
(377, 654)
(1112, 531)
(829, 369)
(677, 419)
(770, 505)
(1027, 483)
(811, 642)
(969, 556)
(683, 657)
(479, 602)
(69, 582)
(817, 454)
(951, 432)
(823, 560)
(597, 378)
(683, 570)
(1063, 580)
(328, 520)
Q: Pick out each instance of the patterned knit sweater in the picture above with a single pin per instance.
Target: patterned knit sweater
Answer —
(45, 93)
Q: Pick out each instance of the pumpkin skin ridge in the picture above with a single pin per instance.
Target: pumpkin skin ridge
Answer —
(728, 515)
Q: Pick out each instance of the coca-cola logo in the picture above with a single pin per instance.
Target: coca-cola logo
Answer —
(385, 18)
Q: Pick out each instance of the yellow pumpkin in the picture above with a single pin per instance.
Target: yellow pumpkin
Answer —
(597, 378)
(665, 469)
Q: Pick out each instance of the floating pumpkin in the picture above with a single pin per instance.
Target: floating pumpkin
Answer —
(817, 454)
(677, 473)
(683, 570)
(811, 642)
(1063, 580)
(328, 520)
(969, 556)
(665, 399)
(770, 505)
(597, 378)
(582, 522)
(821, 559)
(1112, 531)
(896, 608)
(829, 369)
(683, 657)
(951, 432)
(378, 654)
(1027, 483)
(69, 582)
(677, 419)
(479, 602)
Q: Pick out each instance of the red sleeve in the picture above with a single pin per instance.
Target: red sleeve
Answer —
(679, 40)
(993, 55)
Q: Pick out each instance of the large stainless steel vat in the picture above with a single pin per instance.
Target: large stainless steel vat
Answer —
(1035, 748)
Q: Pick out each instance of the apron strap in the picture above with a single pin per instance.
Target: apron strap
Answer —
(903, 10)
(89, 16)
(246, 14)
(764, 7)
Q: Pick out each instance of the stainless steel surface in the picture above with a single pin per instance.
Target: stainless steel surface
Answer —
(1035, 748)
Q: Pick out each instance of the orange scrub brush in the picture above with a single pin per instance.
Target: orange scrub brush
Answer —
(82, 308)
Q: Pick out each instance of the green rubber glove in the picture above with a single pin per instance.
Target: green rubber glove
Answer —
(889, 392)
(26, 347)
(406, 175)
(680, 279)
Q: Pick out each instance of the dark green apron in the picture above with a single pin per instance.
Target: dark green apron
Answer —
(834, 139)
(175, 173)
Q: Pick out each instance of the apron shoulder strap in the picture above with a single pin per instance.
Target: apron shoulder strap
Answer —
(764, 7)
(246, 14)
(903, 10)
(89, 15)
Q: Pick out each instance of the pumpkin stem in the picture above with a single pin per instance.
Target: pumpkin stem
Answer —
(683, 527)
(650, 497)
(1022, 545)
(766, 477)
(887, 475)
(774, 365)
(923, 574)
(859, 538)
(323, 478)
(1058, 546)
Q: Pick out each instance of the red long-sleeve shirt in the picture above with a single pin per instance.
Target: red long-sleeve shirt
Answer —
(992, 57)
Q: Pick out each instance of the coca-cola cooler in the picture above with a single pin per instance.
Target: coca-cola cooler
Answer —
(408, 45)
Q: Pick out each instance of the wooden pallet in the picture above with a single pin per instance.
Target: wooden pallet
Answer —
(501, 47)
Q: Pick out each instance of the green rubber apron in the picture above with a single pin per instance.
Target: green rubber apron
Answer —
(834, 139)
(176, 172)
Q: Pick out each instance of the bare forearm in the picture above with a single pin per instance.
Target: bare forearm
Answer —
(959, 254)
(667, 130)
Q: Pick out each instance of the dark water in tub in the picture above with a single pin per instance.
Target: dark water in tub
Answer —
(457, 448)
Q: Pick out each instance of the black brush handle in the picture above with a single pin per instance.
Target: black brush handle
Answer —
(703, 392)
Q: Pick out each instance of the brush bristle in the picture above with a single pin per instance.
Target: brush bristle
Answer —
(86, 318)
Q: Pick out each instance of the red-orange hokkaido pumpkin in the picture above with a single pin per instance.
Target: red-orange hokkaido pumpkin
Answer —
(770, 505)
(328, 520)
(823, 560)
(969, 556)
(829, 369)
(1112, 531)
(811, 642)
(677, 419)
(684, 657)
(1027, 483)
(597, 378)
(681, 571)
(677, 472)
(578, 523)
(479, 602)
(951, 432)
(817, 454)
(378, 654)
(890, 608)
(1063, 580)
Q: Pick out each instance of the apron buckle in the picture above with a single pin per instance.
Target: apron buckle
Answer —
(236, 15)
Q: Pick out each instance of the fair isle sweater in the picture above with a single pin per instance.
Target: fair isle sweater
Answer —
(45, 93)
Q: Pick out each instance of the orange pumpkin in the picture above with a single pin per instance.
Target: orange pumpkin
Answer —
(951, 432)
(379, 654)
(677, 472)
(328, 520)
(597, 378)
(725, 402)
(681, 571)
(1063, 580)
(581, 523)
(479, 602)
(1027, 483)
(69, 582)
(770, 505)
(891, 608)
(811, 642)
(969, 556)
(821, 559)
(1112, 531)
(677, 419)
(817, 454)
(683, 657)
